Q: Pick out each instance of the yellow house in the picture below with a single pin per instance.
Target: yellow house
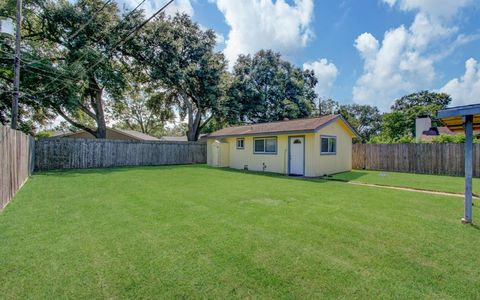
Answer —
(304, 147)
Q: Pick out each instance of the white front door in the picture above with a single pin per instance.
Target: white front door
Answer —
(296, 155)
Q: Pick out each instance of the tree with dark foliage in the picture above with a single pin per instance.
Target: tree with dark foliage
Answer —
(267, 88)
(181, 58)
(423, 103)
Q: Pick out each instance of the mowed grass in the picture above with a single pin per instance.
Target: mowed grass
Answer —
(449, 184)
(199, 232)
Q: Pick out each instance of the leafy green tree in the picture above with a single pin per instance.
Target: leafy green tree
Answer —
(394, 129)
(327, 107)
(178, 129)
(31, 114)
(267, 88)
(214, 125)
(180, 56)
(72, 62)
(421, 104)
(139, 110)
(64, 126)
(366, 119)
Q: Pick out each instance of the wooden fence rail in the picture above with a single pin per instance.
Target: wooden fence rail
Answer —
(96, 153)
(16, 162)
(440, 159)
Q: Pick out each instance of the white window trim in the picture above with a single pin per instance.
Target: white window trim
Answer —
(243, 143)
(266, 138)
(328, 137)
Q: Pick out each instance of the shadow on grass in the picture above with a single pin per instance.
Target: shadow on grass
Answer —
(270, 174)
(347, 176)
(112, 170)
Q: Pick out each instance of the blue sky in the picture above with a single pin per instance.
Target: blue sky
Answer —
(367, 52)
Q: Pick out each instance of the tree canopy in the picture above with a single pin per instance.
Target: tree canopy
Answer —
(140, 110)
(267, 88)
(423, 103)
(180, 56)
(71, 62)
(366, 119)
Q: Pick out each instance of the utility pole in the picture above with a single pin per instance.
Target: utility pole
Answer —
(16, 67)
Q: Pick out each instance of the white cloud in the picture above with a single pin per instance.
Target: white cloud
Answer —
(403, 62)
(325, 72)
(426, 29)
(182, 6)
(151, 6)
(466, 89)
(398, 65)
(260, 24)
(437, 8)
(220, 39)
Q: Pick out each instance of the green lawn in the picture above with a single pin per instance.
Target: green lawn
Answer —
(199, 232)
(417, 181)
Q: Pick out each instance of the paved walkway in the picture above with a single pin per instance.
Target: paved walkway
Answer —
(409, 189)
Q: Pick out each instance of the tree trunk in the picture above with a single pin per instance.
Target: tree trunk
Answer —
(194, 126)
(97, 105)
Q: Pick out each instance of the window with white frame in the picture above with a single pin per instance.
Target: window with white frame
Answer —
(328, 145)
(240, 143)
(265, 145)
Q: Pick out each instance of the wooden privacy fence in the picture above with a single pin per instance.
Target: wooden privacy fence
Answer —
(16, 162)
(440, 159)
(96, 153)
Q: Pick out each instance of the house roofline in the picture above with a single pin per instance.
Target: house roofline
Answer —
(337, 117)
(262, 133)
(108, 128)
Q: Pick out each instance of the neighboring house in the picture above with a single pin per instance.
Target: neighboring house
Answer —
(112, 134)
(305, 147)
(201, 138)
(424, 132)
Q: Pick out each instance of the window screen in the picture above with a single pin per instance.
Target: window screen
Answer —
(328, 145)
(265, 145)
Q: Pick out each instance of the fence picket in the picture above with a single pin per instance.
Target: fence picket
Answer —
(16, 158)
(439, 159)
(97, 153)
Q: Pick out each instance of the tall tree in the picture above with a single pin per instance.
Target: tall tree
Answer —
(394, 129)
(72, 62)
(366, 119)
(180, 56)
(140, 110)
(31, 114)
(267, 88)
(327, 107)
(420, 104)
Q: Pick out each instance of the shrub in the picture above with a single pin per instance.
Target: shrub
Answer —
(455, 139)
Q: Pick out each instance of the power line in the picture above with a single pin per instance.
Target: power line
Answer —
(133, 10)
(116, 27)
(89, 20)
(28, 64)
(126, 38)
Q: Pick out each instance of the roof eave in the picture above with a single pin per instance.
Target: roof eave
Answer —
(316, 129)
(261, 134)
(339, 117)
(465, 110)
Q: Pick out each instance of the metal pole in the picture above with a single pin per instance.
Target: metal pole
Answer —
(468, 168)
(16, 67)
